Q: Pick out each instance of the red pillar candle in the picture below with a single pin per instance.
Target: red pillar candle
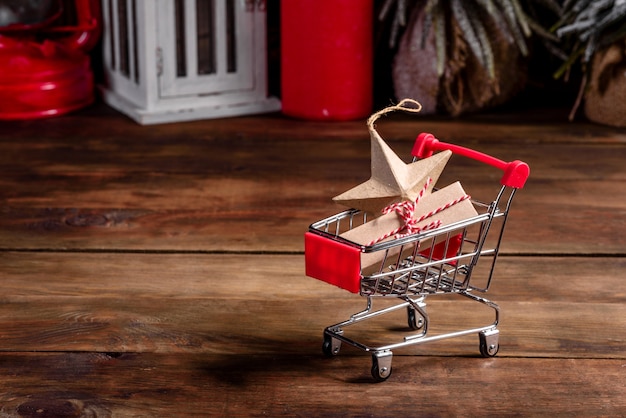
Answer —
(326, 59)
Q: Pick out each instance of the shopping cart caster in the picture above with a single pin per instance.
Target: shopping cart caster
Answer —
(489, 344)
(381, 365)
(415, 320)
(331, 346)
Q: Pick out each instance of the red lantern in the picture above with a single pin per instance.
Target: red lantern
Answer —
(44, 68)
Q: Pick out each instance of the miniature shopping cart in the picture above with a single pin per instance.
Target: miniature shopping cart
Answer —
(435, 262)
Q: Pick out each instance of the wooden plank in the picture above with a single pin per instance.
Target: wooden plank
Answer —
(528, 329)
(278, 277)
(264, 304)
(210, 195)
(102, 155)
(536, 126)
(102, 385)
(542, 221)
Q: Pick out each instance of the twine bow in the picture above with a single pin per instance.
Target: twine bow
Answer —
(406, 212)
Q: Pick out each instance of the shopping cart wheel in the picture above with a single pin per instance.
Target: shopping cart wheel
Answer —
(489, 344)
(381, 365)
(415, 320)
(331, 346)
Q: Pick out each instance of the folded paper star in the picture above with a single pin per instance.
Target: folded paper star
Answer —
(392, 180)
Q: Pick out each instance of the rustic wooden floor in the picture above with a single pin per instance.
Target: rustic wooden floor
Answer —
(158, 271)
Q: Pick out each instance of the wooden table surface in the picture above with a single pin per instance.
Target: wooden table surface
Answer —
(159, 271)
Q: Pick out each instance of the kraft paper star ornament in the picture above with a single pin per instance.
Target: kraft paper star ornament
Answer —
(392, 180)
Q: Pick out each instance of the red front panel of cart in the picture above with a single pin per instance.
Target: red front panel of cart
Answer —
(332, 262)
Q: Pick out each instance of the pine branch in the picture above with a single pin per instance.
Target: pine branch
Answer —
(541, 31)
(440, 39)
(485, 43)
(617, 13)
(398, 22)
(595, 24)
(469, 32)
(521, 18)
(508, 12)
(510, 16)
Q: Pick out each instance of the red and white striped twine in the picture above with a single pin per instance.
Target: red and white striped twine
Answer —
(406, 210)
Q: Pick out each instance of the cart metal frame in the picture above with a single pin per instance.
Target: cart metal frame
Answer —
(413, 267)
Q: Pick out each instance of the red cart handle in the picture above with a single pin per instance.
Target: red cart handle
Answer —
(515, 172)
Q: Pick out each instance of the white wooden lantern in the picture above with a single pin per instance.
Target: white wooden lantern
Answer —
(180, 60)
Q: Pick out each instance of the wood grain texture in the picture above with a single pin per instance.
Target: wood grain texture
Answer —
(276, 276)
(264, 304)
(158, 271)
(156, 385)
(255, 184)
